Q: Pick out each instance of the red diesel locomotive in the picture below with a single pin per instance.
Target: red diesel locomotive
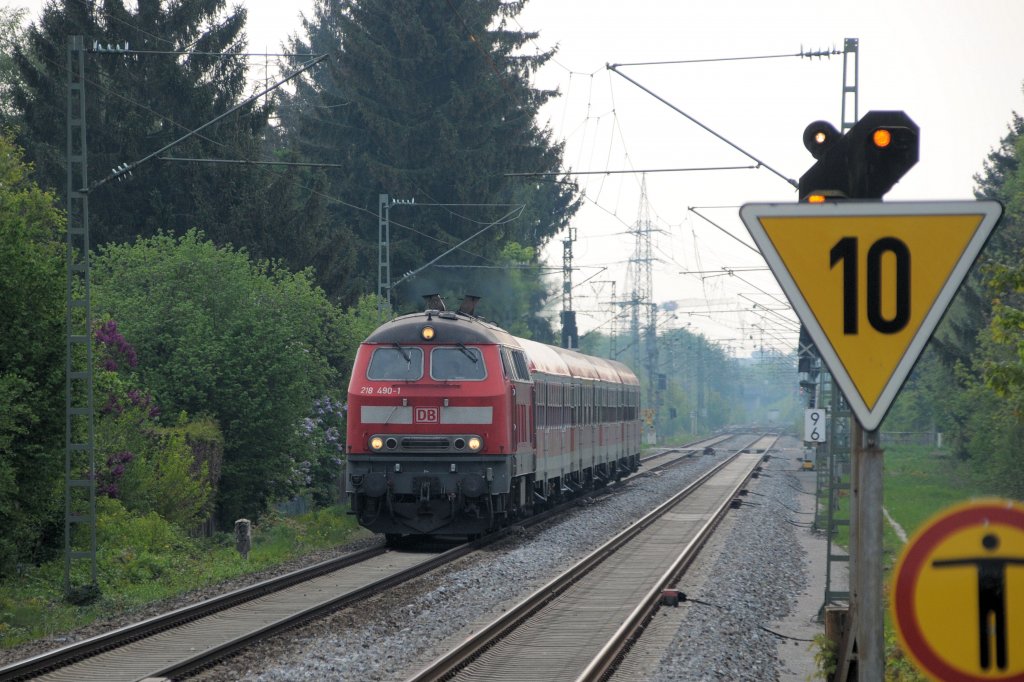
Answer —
(456, 427)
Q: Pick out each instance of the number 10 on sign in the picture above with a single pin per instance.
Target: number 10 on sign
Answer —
(870, 281)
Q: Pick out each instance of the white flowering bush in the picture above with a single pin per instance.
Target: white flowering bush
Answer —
(318, 468)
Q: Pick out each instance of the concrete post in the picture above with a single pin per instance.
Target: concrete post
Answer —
(243, 537)
(870, 610)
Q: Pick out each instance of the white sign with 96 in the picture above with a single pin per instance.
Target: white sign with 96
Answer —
(815, 430)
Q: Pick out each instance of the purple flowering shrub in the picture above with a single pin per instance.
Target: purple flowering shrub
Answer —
(113, 348)
(141, 463)
(318, 464)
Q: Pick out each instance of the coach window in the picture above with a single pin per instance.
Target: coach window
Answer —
(457, 363)
(575, 415)
(401, 363)
(538, 403)
(587, 393)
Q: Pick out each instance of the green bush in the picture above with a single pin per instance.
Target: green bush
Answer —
(31, 363)
(146, 466)
(246, 343)
(136, 547)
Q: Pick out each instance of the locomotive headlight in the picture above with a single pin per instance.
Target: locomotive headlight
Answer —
(376, 443)
(474, 443)
(427, 333)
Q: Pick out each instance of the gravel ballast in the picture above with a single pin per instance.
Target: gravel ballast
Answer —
(393, 636)
(748, 575)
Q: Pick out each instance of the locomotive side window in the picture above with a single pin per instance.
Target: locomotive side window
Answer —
(396, 364)
(520, 369)
(458, 363)
(506, 363)
(514, 363)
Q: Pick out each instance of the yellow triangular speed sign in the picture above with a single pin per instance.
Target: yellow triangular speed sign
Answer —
(870, 281)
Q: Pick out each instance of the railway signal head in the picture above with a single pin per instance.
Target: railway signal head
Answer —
(862, 164)
(885, 148)
(819, 137)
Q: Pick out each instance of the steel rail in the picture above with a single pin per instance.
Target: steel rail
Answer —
(210, 656)
(609, 657)
(464, 653)
(79, 651)
(217, 653)
(111, 640)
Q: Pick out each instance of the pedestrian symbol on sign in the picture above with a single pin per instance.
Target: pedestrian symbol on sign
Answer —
(958, 594)
(991, 599)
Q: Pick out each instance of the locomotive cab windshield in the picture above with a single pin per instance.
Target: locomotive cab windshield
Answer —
(457, 363)
(400, 363)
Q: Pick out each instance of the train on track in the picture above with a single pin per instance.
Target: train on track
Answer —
(456, 427)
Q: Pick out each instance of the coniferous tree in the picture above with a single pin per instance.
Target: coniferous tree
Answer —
(428, 99)
(136, 104)
(10, 35)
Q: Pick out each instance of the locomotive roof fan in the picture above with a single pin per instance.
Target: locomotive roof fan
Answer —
(434, 302)
(468, 305)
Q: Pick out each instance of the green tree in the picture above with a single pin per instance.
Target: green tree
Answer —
(11, 33)
(31, 361)
(432, 100)
(247, 343)
(951, 388)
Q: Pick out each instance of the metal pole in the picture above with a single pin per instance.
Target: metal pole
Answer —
(383, 253)
(79, 427)
(867, 457)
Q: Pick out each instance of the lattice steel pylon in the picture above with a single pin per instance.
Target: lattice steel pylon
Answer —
(79, 424)
(643, 311)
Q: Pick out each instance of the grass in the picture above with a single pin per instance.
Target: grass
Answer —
(918, 483)
(142, 560)
(922, 481)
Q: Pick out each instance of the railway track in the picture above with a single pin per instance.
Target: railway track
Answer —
(190, 638)
(578, 626)
(177, 643)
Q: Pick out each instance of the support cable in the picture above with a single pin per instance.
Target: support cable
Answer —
(511, 215)
(126, 168)
(791, 181)
(693, 209)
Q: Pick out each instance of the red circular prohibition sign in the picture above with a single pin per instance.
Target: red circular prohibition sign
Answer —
(908, 574)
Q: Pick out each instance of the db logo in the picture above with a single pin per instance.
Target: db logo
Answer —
(426, 415)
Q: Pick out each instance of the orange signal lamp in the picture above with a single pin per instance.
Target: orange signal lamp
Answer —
(816, 199)
(882, 138)
(427, 333)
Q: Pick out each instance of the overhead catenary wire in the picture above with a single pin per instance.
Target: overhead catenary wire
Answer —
(633, 170)
(189, 53)
(330, 198)
(802, 53)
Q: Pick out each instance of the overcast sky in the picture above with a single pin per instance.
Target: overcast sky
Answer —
(955, 67)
